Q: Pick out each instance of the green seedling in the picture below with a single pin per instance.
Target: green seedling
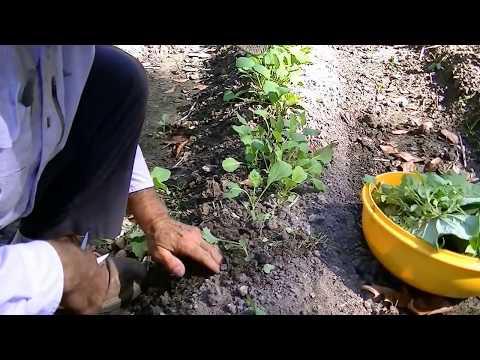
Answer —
(227, 244)
(160, 176)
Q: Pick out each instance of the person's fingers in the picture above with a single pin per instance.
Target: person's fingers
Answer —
(197, 253)
(173, 264)
(214, 251)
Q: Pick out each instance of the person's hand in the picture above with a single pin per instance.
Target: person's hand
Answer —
(170, 239)
(85, 282)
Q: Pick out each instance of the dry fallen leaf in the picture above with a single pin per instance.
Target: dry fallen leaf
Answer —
(180, 80)
(394, 297)
(433, 164)
(200, 87)
(400, 132)
(409, 166)
(422, 304)
(175, 139)
(453, 138)
(441, 310)
(388, 149)
(170, 90)
(179, 148)
(407, 157)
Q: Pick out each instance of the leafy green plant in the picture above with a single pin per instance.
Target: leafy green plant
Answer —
(254, 308)
(138, 243)
(227, 244)
(159, 176)
(277, 153)
(269, 75)
(442, 210)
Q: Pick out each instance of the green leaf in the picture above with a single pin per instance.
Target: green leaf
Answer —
(325, 154)
(230, 164)
(160, 175)
(368, 179)
(262, 113)
(136, 233)
(242, 130)
(277, 135)
(241, 119)
(318, 185)
(299, 175)
(292, 99)
(208, 236)
(298, 137)
(281, 72)
(258, 145)
(255, 178)
(267, 268)
(233, 191)
(427, 232)
(245, 63)
(462, 226)
(247, 139)
(315, 168)
(260, 311)
(139, 247)
(270, 87)
(278, 154)
(229, 95)
(310, 132)
(282, 90)
(262, 70)
(278, 171)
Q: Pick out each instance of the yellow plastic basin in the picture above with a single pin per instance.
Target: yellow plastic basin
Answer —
(440, 272)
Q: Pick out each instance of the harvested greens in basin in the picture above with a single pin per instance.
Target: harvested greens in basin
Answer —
(443, 210)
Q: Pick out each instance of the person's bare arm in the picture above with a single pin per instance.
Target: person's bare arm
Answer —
(168, 238)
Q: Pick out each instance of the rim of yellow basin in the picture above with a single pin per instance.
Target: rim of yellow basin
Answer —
(446, 256)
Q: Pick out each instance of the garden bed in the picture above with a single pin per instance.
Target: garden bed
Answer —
(383, 109)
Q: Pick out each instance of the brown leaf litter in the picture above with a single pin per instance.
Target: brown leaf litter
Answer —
(424, 304)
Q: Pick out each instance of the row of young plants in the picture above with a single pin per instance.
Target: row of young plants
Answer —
(273, 131)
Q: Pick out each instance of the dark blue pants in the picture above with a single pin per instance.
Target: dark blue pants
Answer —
(85, 187)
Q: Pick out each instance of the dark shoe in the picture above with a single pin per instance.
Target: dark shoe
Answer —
(126, 279)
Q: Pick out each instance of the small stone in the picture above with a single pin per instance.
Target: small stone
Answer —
(232, 309)
(243, 290)
(312, 295)
(207, 168)
(316, 253)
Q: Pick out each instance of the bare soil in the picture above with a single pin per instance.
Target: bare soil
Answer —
(357, 96)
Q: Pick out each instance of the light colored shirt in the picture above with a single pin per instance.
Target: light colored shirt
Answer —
(40, 89)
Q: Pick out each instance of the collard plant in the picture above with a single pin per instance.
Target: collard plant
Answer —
(160, 176)
(269, 76)
(276, 148)
(278, 156)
